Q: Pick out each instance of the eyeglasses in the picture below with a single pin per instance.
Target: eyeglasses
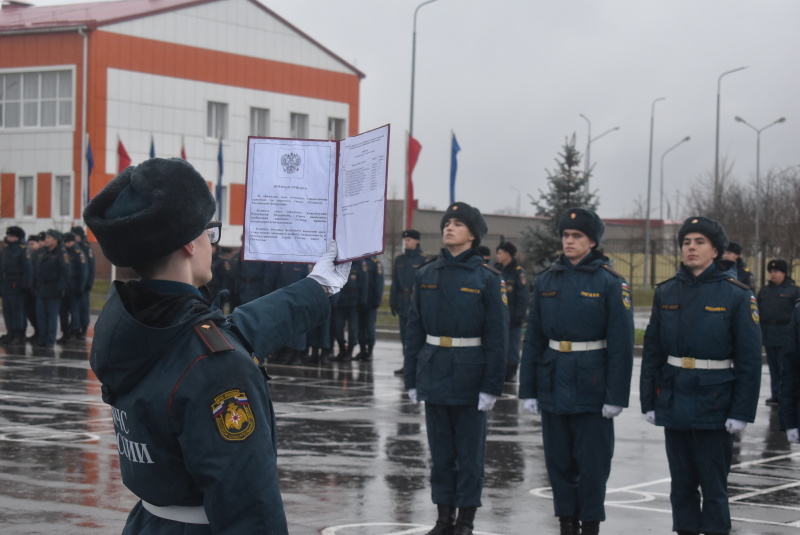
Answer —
(214, 231)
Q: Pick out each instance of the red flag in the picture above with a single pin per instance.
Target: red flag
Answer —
(183, 149)
(124, 159)
(414, 148)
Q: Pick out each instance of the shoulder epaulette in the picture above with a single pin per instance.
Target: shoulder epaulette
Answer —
(425, 263)
(212, 337)
(737, 282)
(612, 271)
(492, 269)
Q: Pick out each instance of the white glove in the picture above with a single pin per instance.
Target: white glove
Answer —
(793, 435)
(332, 277)
(650, 417)
(486, 401)
(412, 395)
(611, 411)
(734, 426)
(531, 405)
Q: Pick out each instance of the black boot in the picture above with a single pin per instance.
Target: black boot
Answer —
(465, 521)
(65, 337)
(686, 532)
(511, 373)
(367, 355)
(445, 524)
(569, 525)
(362, 353)
(399, 371)
(18, 337)
(590, 528)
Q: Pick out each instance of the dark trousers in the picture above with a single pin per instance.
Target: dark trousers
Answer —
(47, 317)
(514, 335)
(85, 304)
(347, 315)
(30, 311)
(14, 311)
(775, 365)
(457, 440)
(699, 462)
(578, 449)
(403, 321)
(70, 313)
(366, 326)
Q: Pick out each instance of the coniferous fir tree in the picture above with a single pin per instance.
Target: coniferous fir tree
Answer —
(566, 188)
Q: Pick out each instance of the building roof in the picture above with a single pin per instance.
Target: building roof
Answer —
(20, 17)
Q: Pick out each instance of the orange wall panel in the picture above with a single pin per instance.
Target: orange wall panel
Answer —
(8, 182)
(236, 208)
(44, 195)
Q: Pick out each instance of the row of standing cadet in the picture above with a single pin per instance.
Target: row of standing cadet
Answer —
(46, 280)
(700, 372)
(353, 318)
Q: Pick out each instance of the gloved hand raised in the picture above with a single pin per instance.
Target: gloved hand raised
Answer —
(531, 405)
(611, 411)
(332, 277)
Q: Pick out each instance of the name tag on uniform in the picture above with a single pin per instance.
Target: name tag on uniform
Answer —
(428, 286)
(471, 290)
(549, 294)
(593, 295)
(670, 307)
(715, 309)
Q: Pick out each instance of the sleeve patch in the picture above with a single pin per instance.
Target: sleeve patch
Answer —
(212, 337)
(233, 416)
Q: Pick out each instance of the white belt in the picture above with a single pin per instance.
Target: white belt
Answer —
(689, 363)
(446, 341)
(178, 513)
(568, 347)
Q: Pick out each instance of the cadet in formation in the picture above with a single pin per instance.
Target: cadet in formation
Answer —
(50, 284)
(71, 301)
(517, 289)
(455, 361)
(17, 275)
(353, 295)
(368, 312)
(733, 254)
(776, 302)
(80, 239)
(701, 372)
(403, 273)
(790, 379)
(191, 408)
(577, 361)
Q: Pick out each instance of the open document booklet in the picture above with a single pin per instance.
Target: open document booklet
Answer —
(303, 193)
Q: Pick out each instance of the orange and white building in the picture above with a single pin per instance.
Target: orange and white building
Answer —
(174, 74)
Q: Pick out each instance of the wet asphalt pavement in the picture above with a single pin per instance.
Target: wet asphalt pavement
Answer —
(353, 457)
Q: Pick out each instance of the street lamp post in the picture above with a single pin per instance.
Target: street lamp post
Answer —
(759, 271)
(589, 139)
(519, 195)
(646, 279)
(411, 117)
(661, 187)
(716, 143)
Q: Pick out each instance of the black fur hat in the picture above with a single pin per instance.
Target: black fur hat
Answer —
(78, 231)
(583, 220)
(54, 233)
(68, 236)
(17, 232)
(471, 217)
(484, 251)
(779, 264)
(707, 227)
(149, 211)
(411, 233)
(508, 247)
(734, 248)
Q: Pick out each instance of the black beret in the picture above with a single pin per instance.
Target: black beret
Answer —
(471, 217)
(508, 247)
(149, 211)
(411, 233)
(16, 231)
(78, 231)
(734, 248)
(53, 232)
(484, 251)
(779, 264)
(68, 236)
(583, 220)
(707, 227)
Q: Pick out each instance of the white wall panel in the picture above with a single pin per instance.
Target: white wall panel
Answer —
(233, 26)
(30, 152)
(143, 113)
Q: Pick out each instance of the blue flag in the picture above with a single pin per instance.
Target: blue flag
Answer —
(152, 147)
(89, 166)
(219, 181)
(453, 169)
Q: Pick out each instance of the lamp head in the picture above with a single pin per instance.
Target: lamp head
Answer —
(738, 119)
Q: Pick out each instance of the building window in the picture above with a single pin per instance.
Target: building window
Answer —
(217, 120)
(336, 129)
(259, 122)
(26, 195)
(63, 196)
(299, 125)
(36, 99)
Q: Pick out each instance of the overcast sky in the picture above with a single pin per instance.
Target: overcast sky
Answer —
(511, 78)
